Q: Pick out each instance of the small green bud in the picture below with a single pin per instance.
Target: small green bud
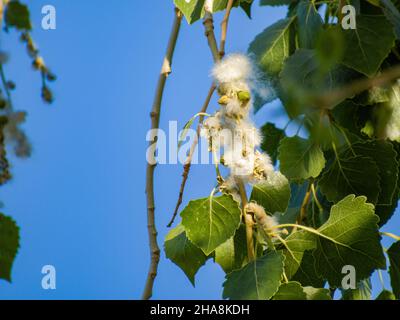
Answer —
(244, 96)
(47, 95)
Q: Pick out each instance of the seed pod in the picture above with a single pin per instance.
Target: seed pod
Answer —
(224, 100)
(47, 95)
(10, 85)
(244, 96)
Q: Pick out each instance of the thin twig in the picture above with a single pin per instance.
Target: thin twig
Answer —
(188, 162)
(224, 28)
(217, 56)
(155, 120)
(5, 86)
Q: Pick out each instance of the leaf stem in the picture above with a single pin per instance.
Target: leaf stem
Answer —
(311, 230)
(390, 235)
(331, 99)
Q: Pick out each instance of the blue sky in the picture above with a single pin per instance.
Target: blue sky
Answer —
(79, 199)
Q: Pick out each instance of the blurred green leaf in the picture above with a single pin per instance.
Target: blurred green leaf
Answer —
(309, 24)
(394, 270)
(271, 139)
(17, 15)
(369, 44)
(9, 244)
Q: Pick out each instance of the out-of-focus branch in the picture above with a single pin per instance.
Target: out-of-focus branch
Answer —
(331, 99)
(155, 120)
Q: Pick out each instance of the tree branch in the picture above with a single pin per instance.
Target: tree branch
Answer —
(208, 22)
(155, 120)
(188, 162)
(224, 28)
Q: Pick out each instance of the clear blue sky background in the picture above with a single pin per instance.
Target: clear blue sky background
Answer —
(79, 199)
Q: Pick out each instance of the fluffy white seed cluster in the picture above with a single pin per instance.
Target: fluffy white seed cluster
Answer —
(393, 125)
(231, 134)
(268, 223)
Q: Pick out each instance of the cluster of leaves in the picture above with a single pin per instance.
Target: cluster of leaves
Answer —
(15, 15)
(193, 10)
(338, 184)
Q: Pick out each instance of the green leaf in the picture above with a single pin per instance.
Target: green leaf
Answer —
(306, 273)
(209, 222)
(9, 244)
(183, 253)
(192, 10)
(300, 159)
(246, 6)
(382, 153)
(294, 291)
(356, 175)
(290, 291)
(369, 44)
(233, 253)
(309, 24)
(272, 47)
(273, 194)
(317, 293)
(258, 280)
(362, 292)
(349, 237)
(394, 270)
(329, 47)
(17, 15)
(386, 295)
(295, 245)
(271, 139)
